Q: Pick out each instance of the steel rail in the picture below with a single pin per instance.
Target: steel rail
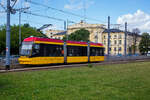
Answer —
(55, 67)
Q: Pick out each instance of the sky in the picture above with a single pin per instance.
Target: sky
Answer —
(135, 12)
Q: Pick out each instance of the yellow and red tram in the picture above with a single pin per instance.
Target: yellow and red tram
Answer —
(40, 51)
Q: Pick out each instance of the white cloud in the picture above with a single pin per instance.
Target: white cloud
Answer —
(26, 4)
(47, 1)
(1, 9)
(139, 19)
(78, 4)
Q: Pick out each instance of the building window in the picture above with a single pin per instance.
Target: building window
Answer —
(115, 42)
(109, 49)
(120, 48)
(120, 36)
(115, 36)
(110, 36)
(104, 42)
(120, 42)
(104, 36)
(115, 49)
(110, 42)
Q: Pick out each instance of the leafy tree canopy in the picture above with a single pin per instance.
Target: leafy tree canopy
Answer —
(79, 35)
(135, 34)
(144, 45)
(26, 31)
(136, 31)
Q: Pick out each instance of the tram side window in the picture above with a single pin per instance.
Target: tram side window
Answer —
(49, 50)
(54, 50)
(102, 51)
(76, 51)
(36, 50)
(94, 51)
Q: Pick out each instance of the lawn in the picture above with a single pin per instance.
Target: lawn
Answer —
(105, 82)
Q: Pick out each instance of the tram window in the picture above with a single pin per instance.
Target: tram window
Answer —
(54, 50)
(47, 50)
(76, 51)
(94, 51)
(36, 50)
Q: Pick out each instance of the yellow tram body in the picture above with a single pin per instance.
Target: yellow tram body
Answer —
(42, 60)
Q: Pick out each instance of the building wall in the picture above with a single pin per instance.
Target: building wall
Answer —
(117, 41)
(51, 33)
(94, 29)
(58, 36)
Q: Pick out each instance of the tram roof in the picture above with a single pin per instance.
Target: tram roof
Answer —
(41, 39)
(30, 39)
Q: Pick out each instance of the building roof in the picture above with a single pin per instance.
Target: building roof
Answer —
(61, 33)
(83, 24)
(112, 31)
(118, 31)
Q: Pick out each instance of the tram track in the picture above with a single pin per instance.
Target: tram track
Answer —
(55, 67)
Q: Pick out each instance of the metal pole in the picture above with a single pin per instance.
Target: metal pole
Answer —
(67, 29)
(65, 52)
(118, 43)
(108, 46)
(19, 30)
(125, 40)
(88, 51)
(65, 25)
(7, 63)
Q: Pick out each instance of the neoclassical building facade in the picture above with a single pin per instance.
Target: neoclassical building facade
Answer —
(51, 33)
(95, 30)
(99, 34)
(117, 42)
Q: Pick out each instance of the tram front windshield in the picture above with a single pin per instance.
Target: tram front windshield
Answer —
(26, 48)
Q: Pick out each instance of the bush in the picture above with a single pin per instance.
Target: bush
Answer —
(90, 65)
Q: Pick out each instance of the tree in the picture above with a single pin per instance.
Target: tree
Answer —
(27, 31)
(144, 45)
(79, 35)
(26, 25)
(2, 38)
(135, 34)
